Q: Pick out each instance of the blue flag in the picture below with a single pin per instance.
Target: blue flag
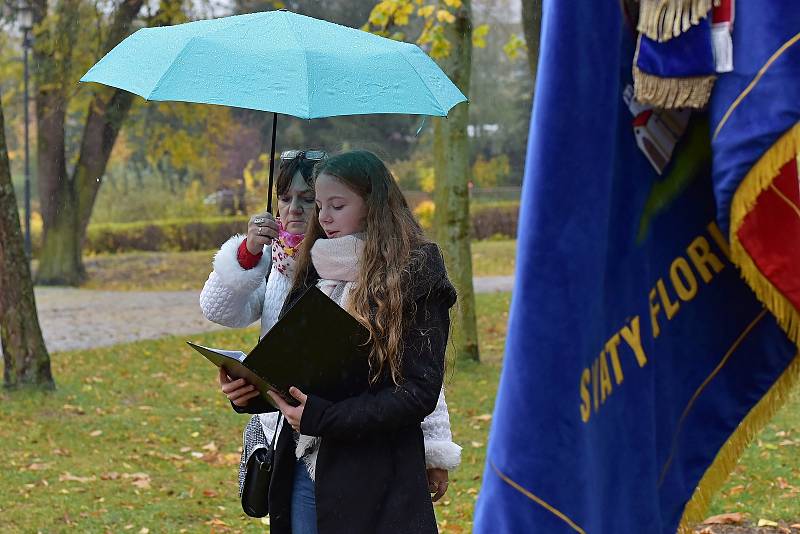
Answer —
(654, 324)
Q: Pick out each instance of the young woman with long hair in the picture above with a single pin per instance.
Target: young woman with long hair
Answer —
(366, 251)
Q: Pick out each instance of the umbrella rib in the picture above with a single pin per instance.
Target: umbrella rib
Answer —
(436, 100)
(171, 67)
(305, 59)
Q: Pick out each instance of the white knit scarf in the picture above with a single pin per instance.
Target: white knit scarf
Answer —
(337, 262)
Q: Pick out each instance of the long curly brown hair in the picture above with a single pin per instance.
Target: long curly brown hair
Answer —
(393, 237)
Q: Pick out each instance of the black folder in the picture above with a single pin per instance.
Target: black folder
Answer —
(316, 346)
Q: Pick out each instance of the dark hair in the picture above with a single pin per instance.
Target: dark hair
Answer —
(288, 168)
(393, 239)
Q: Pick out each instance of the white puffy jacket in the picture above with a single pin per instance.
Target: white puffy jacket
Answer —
(237, 297)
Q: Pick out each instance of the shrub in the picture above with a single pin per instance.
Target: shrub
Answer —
(167, 235)
(424, 213)
(487, 222)
(492, 221)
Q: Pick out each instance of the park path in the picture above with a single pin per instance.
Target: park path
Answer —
(74, 319)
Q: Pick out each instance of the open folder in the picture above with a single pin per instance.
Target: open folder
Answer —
(316, 346)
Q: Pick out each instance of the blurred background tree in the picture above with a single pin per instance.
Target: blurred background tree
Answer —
(157, 161)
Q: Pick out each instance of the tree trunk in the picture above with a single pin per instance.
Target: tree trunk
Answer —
(451, 195)
(531, 27)
(60, 256)
(25, 357)
(68, 202)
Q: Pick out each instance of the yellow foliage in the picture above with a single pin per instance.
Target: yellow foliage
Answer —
(424, 213)
(514, 46)
(427, 178)
(479, 36)
(453, 3)
(445, 16)
(488, 173)
(194, 194)
(426, 11)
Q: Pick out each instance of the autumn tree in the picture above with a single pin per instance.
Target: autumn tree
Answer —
(60, 55)
(447, 34)
(531, 28)
(25, 357)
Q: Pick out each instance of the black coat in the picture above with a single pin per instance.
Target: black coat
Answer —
(370, 471)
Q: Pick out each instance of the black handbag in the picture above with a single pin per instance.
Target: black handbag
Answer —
(257, 477)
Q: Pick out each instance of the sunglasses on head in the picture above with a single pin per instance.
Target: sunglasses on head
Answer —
(312, 155)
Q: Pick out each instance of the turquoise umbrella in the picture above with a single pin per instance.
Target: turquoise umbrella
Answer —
(281, 62)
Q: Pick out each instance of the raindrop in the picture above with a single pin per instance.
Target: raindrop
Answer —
(97, 179)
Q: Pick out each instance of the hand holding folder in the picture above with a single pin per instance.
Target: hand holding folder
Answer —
(316, 346)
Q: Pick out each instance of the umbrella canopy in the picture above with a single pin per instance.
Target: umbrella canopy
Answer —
(278, 61)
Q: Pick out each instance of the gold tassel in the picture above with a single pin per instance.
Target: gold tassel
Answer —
(728, 456)
(661, 20)
(672, 93)
(760, 177)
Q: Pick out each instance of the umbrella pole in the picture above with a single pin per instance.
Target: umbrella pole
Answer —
(272, 162)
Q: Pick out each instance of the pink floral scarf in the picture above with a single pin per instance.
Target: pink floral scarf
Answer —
(284, 250)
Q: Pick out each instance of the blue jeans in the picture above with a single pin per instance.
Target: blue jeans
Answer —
(304, 508)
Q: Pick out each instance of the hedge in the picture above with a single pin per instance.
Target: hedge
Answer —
(165, 235)
(210, 233)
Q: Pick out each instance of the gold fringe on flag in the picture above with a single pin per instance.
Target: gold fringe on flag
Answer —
(728, 456)
(661, 20)
(759, 178)
(672, 93)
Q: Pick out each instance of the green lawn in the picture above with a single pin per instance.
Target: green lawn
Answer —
(136, 438)
(766, 482)
(173, 271)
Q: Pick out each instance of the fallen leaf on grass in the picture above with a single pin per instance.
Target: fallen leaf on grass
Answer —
(477, 444)
(38, 467)
(734, 518)
(68, 477)
(210, 493)
(140, 480)
(95, 433)
(736, 490)
(109, 476)
(766, 523)
(484, 417)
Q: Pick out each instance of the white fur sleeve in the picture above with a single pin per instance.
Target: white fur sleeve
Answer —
(233, 296)
(440, 451)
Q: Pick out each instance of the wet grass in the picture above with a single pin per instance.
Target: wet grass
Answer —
(136, 438)
(176, 271)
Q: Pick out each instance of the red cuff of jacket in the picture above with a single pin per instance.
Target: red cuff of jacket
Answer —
(247, 259)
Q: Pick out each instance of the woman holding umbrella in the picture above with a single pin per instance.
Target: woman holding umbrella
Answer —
(245, 286)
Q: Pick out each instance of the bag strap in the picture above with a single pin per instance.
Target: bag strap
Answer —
(275, 435)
